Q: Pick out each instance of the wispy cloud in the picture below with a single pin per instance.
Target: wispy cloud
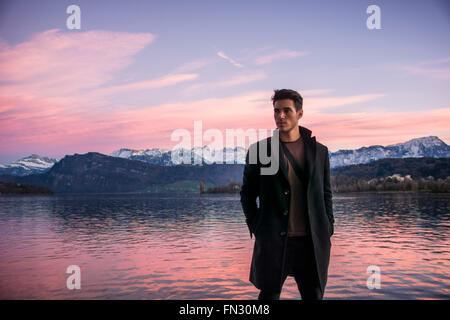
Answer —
(55, 73)
(54, 129)
(423, 69)
(233, 81)
(435, 61)
(224, 56)
(56, 86)
(56, 63)
(193, 65)
(437, 73)
(167, 80)
(358, 129)
(282, 54)
(315, 92)
(304, 93)
(320, 104)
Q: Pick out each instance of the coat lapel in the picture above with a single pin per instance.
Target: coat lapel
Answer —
(310, 151)
(283, 164)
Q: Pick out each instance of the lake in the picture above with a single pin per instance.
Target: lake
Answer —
(187, 246)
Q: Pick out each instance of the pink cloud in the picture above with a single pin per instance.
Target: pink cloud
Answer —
(438, 73)
(234, 81)
(194, 65)
(54, 129)
(54, 101)
(282, 54)
(435, 61)
(355, 130)
(55, 63)
(423, 69)
(347, 130)
(319, 104)
(167, 80)
(233, 62)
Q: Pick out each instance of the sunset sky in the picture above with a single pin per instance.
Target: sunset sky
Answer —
(138, 70)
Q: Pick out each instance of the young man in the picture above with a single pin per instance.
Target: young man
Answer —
(294, 221)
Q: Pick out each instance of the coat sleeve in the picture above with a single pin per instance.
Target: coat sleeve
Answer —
(328, 194)
(250, 191)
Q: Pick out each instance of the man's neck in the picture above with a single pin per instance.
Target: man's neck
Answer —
(290, 136)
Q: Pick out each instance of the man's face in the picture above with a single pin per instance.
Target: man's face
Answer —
(285, 115)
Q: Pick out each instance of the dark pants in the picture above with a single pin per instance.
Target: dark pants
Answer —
(300, 263)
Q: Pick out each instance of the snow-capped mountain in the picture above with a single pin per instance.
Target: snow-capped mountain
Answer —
(28, 165)
(430, 146)
(154, 155)
(196, 155)
(421, 147)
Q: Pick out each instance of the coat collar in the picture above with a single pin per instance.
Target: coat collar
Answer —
(310, 153)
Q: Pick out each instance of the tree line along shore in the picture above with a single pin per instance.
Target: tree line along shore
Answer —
(342, 184)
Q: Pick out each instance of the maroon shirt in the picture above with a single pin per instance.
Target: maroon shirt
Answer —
(298, 211)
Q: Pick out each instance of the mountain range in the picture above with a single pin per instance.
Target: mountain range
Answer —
(430, 146)
(28, 165)
(98, 173)
(94, 172)
(204, 155)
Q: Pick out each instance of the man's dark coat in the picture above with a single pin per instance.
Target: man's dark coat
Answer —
(269, 221)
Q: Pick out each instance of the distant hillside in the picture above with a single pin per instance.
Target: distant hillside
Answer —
(396, 175)
(415, 167)
(8, 188)
(431, 147)
(95, 172)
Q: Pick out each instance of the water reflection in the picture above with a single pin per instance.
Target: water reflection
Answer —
(183, 246)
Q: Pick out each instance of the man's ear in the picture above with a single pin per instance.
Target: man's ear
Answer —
(299, 114)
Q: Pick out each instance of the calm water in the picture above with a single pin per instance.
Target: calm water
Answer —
(191, 247)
